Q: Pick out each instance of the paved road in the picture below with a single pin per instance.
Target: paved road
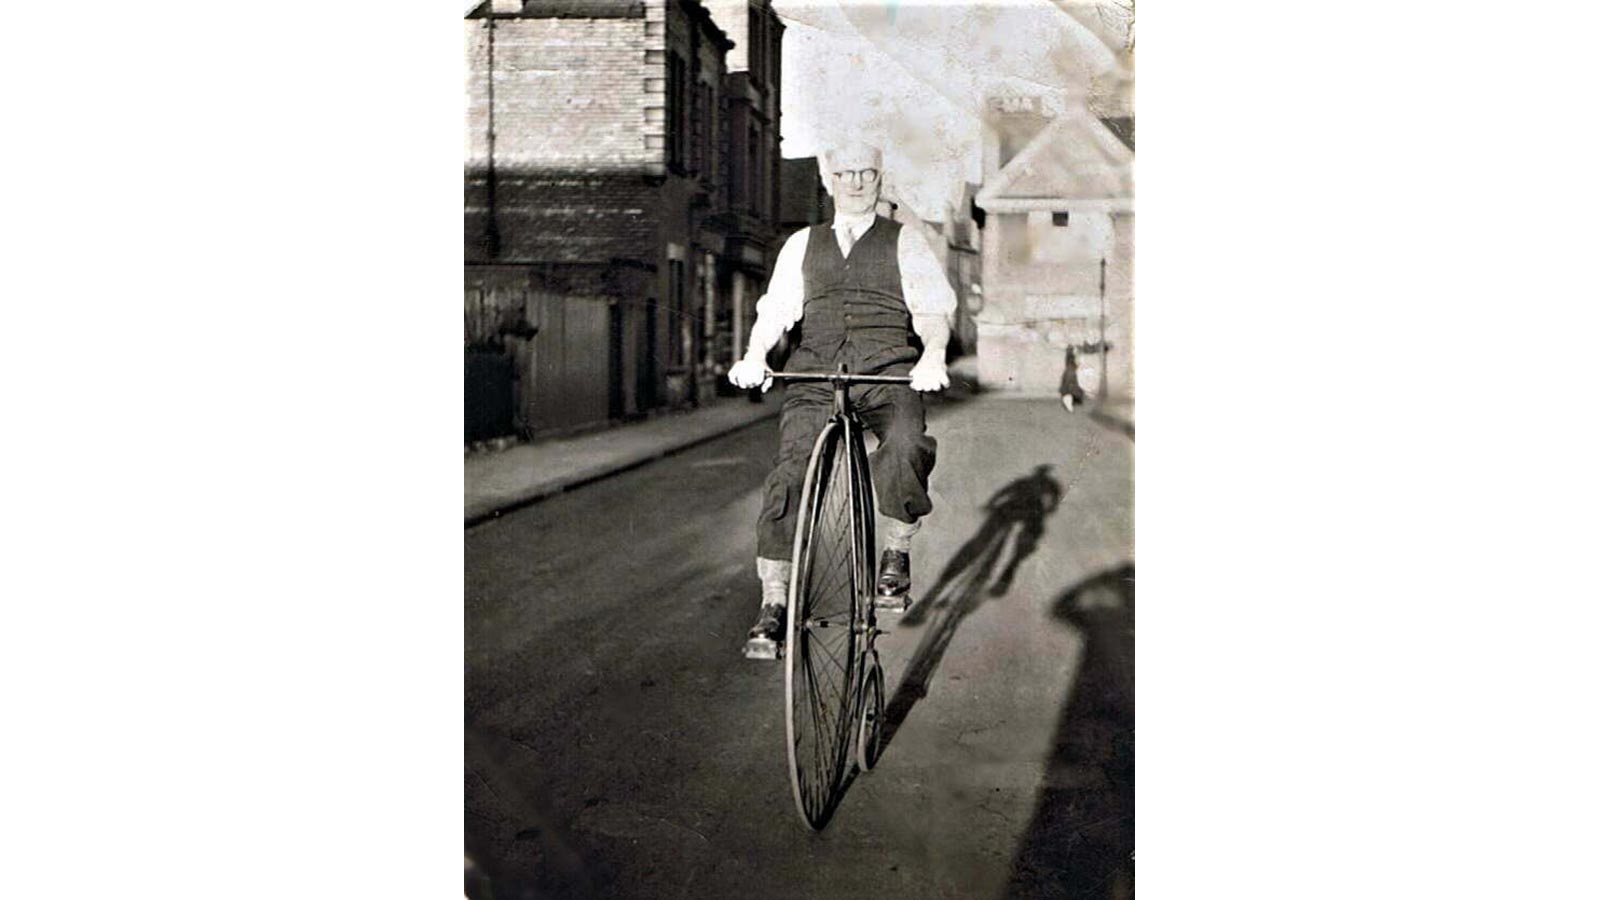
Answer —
(618, 745)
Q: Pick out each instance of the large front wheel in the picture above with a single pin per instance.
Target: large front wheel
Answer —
(825, 590)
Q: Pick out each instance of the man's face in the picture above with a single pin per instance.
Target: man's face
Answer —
(855, 176)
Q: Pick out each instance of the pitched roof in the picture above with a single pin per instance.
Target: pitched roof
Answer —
(1075, 159)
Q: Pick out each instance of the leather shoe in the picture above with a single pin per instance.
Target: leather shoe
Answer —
(767, 634)
(894, 580)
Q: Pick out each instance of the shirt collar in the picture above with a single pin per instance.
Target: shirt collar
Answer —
(857, 223)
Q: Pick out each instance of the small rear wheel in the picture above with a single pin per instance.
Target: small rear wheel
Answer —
(869, 733)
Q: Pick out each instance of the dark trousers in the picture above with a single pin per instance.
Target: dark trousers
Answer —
(900, 465)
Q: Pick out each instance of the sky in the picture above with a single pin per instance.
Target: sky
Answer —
(913, 77)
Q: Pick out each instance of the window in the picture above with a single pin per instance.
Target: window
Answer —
(677, 115)
(697, 143)
(1058, 219)
(704, 123)
(677, 346)
(713, 136)
(772, 184)
(758, 50)
(1016, 244)
(753, 171)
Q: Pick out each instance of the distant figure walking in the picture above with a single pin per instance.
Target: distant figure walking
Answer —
(1082, 374)
(1071, 390)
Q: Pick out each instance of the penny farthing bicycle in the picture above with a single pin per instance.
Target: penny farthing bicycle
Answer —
(833, 682)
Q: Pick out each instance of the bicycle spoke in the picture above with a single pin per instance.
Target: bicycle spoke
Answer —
(815, 729)
(833, 658)
(824, 750)
(819, 735)
(835, 652)
(820, 678)
(824, 727)
(817, 675)
(817, 711)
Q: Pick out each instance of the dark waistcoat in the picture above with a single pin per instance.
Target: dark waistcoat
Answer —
(855, 311)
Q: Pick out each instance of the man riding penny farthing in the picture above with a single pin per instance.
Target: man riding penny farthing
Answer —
(873, 307)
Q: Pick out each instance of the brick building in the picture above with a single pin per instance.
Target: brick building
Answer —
(750, 218)
(804, 200)
(607, 213)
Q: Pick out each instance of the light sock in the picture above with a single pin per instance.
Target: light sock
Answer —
(897, 535)
(774, 575)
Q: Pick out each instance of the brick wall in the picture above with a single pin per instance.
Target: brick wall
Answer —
(580, 120)
(568, 92)
(570, 139)
(565, 215)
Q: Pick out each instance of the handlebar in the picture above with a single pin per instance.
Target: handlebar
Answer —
(841, 377)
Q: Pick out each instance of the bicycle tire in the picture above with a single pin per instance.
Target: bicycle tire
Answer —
(866, 502)
(870, 694)
(869, 734)
(821, 667)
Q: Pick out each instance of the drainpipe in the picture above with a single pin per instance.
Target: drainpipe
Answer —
(491, 234)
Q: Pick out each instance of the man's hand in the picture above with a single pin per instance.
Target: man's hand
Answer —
(748, 373)
(929, 375)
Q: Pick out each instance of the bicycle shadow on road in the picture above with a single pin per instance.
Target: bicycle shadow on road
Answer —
(1080, 841)
(1018, 511)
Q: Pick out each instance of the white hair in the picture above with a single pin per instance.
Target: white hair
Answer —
(825, 159)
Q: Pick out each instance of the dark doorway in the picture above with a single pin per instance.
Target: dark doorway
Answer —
(649, 360)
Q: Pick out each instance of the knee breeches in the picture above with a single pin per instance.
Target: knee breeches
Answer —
(900, 466)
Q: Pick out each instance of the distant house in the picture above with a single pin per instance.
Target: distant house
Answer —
(1057, 252)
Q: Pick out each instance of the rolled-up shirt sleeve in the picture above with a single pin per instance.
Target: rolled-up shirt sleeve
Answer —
(785, 300)
(922, 278)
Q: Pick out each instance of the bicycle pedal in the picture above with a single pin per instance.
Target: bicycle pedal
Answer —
(893, 604)
(763, 648)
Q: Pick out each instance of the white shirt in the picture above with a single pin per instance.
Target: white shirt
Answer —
(922, 278)
(856, 226)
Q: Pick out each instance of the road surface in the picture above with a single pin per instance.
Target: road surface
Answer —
(618, 744)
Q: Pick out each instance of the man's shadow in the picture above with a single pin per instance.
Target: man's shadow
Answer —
(1016, 510)
(1079, 843)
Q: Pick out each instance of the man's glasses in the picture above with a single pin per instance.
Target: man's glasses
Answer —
(865, 176)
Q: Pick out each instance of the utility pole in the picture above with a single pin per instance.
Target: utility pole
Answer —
(1105, 371)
